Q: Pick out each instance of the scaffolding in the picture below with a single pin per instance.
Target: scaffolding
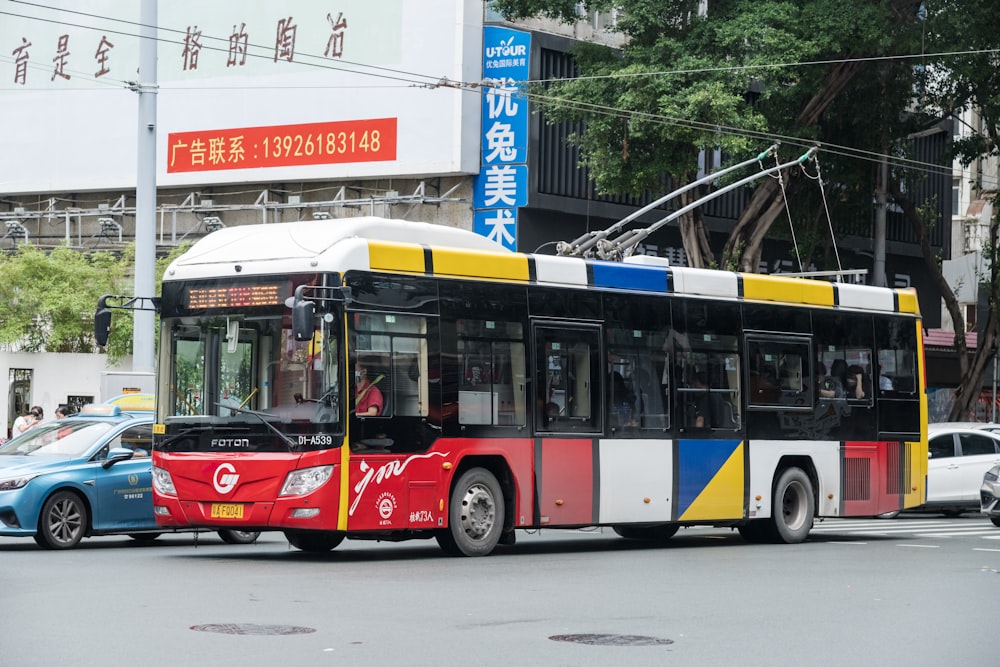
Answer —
(200, 214)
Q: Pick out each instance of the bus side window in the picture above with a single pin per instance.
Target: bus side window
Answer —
(568, 385)
(492, 382)
(637, 373)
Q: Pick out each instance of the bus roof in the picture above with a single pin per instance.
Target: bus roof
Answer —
(418, 248)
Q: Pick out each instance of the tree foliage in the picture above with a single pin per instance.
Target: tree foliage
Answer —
(742, 75)
(967, 77)
(50, 298)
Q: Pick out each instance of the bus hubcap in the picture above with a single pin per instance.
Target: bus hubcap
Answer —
(478, 512)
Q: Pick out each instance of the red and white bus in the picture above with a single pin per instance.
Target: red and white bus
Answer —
(515, 391)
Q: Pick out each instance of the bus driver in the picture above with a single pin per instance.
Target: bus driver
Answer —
(368, 397)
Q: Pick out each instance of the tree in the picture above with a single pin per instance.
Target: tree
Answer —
(50, 298)
(745, 71)
(967, 78)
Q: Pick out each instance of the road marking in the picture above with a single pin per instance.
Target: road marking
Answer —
(842, 542)
(956, 534)
(921, 546)
(982, 549)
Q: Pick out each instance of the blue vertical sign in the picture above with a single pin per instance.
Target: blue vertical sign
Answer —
(502, 184)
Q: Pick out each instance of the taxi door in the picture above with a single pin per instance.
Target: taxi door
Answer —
(125, 489)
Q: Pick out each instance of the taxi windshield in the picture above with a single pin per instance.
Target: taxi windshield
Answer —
(62, 438)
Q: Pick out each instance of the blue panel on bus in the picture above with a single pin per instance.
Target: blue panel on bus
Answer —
(628, 276)
(698, 462)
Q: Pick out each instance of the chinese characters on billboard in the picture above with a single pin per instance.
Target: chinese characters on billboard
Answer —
(502, 184)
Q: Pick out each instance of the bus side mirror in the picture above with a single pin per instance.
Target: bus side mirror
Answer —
(102, 321)
(303, 320)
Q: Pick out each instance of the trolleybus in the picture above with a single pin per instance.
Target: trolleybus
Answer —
(507, 391)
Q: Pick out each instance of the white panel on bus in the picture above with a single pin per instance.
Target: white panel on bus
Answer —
(631, 472)
(865, 296)
(560, 270)
(764, 456)
(705, 282)
(333, 245)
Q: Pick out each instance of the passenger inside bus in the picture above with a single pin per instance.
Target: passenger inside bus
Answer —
(859, 385)
(622, 402)
(368, 397)
(833, 385)
(696, 401)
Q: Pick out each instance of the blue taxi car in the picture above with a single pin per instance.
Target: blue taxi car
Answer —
(89, 474)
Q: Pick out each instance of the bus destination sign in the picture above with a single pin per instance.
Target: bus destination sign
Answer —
(237, 296)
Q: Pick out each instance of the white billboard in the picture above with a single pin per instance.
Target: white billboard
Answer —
(248, 91)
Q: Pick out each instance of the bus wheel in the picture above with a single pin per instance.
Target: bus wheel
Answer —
(660, 533)
(794, 506)
(63, 521)
(230, 536)
(315, 541)
(757, 531)
(475, 515)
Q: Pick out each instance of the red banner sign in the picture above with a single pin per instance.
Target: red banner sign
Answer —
(369, 140)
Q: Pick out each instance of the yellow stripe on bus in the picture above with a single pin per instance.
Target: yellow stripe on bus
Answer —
(789, 290)
(474, 264)
(908, 301)
(403, 257)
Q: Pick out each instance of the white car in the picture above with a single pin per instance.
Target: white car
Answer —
(959, 456)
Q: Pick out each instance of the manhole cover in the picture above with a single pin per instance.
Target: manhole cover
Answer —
(612, 640)
(252, 629)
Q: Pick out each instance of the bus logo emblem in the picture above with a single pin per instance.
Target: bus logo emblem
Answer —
(225, 478)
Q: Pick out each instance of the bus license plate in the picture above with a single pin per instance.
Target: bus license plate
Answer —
(227, 511)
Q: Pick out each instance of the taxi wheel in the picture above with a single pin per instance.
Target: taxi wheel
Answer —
(239, 536)
(63, 521)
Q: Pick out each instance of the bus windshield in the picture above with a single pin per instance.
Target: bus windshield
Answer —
(230, 366)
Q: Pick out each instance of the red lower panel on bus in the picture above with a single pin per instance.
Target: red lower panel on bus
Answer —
(875, 477)
(565, 481)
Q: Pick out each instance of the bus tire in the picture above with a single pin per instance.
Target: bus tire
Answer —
(794, 506)
(314, 541)
(660, 533)
(757, 531)
(475, 515)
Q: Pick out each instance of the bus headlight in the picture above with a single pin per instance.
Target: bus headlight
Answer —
(162, 482)
(307, 480)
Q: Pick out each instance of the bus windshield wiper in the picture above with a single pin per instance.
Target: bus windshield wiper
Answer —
(177, 436)
(261, 415)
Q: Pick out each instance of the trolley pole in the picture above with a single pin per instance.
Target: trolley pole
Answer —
(143, 356)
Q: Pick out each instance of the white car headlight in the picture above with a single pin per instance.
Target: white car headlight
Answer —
(307, 480)
(12, 483)
(992, 475)
(163, 483)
